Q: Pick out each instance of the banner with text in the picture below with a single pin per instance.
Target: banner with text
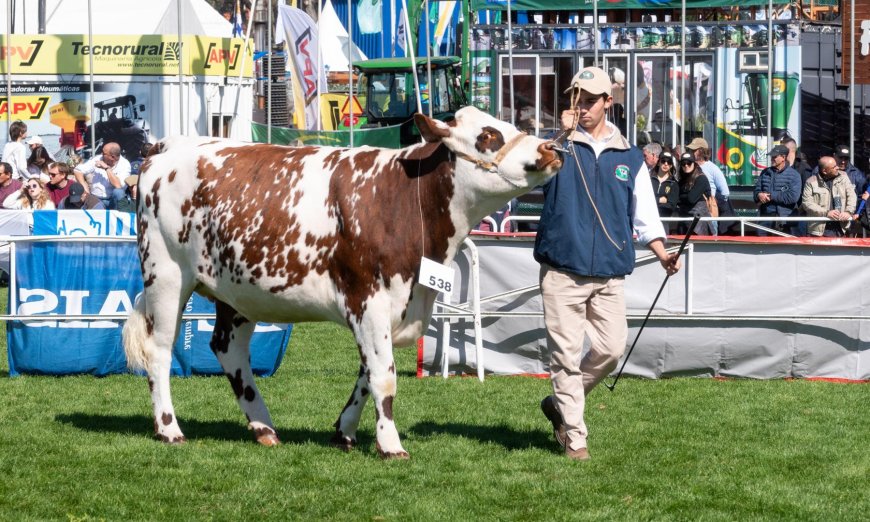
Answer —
(124, 55)
(99, 278)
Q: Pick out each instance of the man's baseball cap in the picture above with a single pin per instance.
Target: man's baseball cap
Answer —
(592, 80)
(75, 192)
(698, 143)
(779, 150)
(841, 151)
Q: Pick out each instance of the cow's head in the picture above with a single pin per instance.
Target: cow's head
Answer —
(503, 158)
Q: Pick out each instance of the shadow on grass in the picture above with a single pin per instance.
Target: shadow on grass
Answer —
(503, 435)
(193, 429)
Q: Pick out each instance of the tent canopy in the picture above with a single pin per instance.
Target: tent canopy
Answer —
(118, 17)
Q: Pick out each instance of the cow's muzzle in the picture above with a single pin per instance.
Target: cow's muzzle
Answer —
(550, 157)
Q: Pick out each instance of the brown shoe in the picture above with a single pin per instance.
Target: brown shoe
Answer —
(548, 406)
(577, 454)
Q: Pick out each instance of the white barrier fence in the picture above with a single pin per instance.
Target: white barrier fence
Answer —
(791, 295)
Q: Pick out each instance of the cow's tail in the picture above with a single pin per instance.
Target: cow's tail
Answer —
(134, 335)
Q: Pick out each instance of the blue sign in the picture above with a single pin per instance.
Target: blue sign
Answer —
(84, 278)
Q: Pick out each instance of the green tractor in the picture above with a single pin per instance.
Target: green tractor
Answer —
(385, 91)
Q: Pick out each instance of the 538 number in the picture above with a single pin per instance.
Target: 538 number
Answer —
(440, 284)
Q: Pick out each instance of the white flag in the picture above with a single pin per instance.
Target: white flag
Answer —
(300, 36)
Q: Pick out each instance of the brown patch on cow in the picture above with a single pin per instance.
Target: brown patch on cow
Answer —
(172, 175)
(166, 418)
(250, 394)
(151, 385)
(237, 383)
(149, 324)
(223, 328)
(157, 148)
(155, 193)
(490, 140)
(387, 405)
(148, 201)
(392, 368)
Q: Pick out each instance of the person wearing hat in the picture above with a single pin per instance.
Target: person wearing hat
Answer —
(78, 199)
(829, 194)
(858, 179)
(718, 184)
(34, 141)
(778, 192)
(585, 247)
(130, 200)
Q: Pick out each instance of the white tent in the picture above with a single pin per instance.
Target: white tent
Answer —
(333, 41)
(210, 105)
(117, 17)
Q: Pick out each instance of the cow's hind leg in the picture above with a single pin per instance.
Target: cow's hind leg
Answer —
(376, 349)
(149, 334)
(348, 421)
(230, 342)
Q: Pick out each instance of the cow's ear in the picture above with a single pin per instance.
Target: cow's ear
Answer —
(431, 130)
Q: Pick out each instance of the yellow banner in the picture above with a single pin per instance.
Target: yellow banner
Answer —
(124, 55)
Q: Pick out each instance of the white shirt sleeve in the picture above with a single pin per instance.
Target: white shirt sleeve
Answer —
(647, 222)
(12, 201)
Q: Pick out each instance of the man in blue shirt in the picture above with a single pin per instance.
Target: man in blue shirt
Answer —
(778, 192)
(585, 246)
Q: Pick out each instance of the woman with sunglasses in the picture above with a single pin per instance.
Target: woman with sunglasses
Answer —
(665, 186)
(32, 196)
(694, 189)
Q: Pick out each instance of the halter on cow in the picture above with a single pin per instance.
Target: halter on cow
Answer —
(281, 234)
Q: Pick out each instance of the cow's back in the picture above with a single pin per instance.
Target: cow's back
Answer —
(243, 221)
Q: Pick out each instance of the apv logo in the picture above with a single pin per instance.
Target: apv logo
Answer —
(23, 107)
(26, 53)
(219, 56)
(303, 58)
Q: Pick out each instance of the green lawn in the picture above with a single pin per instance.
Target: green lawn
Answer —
(79, 448)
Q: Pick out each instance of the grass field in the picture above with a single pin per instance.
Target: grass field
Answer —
(79, 448)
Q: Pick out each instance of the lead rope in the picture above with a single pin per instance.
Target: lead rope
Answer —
(575, 97)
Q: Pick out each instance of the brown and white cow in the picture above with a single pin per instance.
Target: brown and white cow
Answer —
(281, 234)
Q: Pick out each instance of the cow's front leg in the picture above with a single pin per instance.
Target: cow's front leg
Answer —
(345, 427)
(376, 350)
(230, 343)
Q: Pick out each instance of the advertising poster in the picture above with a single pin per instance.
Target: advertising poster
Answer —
(99, 278)
(59, 114)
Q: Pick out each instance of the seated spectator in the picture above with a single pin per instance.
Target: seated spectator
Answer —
(38, 163)
(778, 192)
(34, 142)
(694, 191)
(31, 196)
(129, 201)
(101, 175)
(651, 153)
(58, 182)
(136, 165)
(80, 200)
(829, 194)
(7, 184)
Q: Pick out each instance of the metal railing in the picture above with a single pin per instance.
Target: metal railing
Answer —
(752, 222)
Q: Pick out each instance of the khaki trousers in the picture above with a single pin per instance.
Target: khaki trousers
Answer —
(574, 307)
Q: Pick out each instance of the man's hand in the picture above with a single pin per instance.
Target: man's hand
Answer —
(763, 197)
(834, 214)
(671, 263)
(570, 118)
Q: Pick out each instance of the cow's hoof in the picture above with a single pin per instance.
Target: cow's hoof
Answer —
(177, 439)
(342, 442)
(392, 455)
(267, 437)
